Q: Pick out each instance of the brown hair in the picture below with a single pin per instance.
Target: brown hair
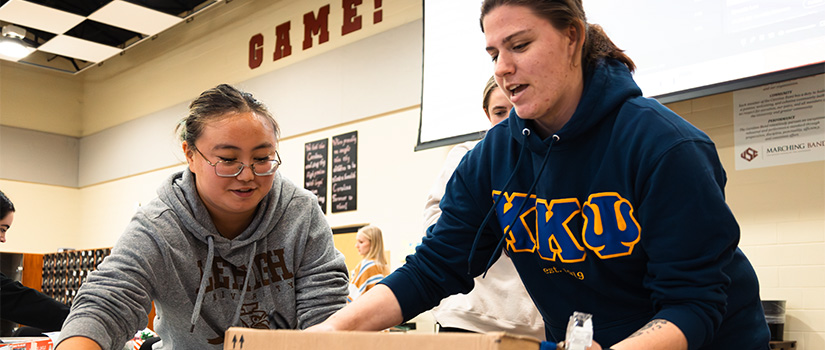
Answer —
(215, 103)
(373, 234)
(563, 14)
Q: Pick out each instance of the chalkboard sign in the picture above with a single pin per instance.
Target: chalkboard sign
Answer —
(344, 172)
(315, 170)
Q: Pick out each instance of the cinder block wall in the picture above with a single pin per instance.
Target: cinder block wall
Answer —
(781, 213)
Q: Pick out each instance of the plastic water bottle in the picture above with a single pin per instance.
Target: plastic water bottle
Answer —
(579, 334)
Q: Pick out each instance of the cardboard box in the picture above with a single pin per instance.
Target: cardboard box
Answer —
(260, 339)
(26, 343)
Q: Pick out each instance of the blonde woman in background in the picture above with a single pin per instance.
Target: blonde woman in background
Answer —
(373, 267)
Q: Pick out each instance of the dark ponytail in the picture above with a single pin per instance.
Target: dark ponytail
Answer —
(6, 206)
(598, 46)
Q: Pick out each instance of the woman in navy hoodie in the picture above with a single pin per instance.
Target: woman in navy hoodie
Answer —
(607, 202)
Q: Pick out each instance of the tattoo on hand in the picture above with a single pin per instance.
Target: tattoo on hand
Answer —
(650, 327)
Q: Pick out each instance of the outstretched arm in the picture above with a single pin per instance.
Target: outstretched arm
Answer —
(655, 335)
(78, 343)
(374, 311)
(30, 307)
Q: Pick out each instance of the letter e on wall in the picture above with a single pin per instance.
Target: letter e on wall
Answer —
(352, 20)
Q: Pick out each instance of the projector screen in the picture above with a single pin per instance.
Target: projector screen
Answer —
(682, 50)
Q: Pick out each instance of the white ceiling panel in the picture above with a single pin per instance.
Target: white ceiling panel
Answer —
(135, 18)
(39, 16)
(83, 49)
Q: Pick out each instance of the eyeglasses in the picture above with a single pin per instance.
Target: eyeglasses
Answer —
(232, 168)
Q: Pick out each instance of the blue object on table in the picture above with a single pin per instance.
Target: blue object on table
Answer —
(547, 345)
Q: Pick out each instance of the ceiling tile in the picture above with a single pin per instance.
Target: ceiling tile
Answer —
(179, 8)
(103, 33)
(82, 49)
(38, 16)
(78, 7)
(134, 17)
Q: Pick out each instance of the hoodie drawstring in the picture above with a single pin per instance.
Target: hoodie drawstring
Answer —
(237, 315)
(493, 209)
(503, 239)
(204, 279)
(527, 199)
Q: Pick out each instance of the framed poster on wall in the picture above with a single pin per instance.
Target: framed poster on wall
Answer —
(344, 172)
(315, 170)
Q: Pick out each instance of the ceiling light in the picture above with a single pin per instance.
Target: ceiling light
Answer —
(12, 44)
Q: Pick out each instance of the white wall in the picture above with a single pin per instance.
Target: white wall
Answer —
(39, 157)
(46, 217)
(39, 99)
(107, 207)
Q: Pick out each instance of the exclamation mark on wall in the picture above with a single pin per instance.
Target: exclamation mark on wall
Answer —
(378, 15)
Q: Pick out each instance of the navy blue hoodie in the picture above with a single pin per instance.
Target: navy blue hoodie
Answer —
(620, 214)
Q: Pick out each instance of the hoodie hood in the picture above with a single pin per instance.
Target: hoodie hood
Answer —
(179, 192)
(607, 85)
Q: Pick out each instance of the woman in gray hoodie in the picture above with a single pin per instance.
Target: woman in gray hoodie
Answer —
(228, 242)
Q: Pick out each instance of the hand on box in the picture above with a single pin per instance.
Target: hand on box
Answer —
(321, 327)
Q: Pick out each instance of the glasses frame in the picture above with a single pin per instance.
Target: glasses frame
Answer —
(277, 161)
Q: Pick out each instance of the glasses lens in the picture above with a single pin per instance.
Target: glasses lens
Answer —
(265, 168)
(228, 169)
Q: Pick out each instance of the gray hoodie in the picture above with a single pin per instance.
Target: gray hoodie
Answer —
(297, 278)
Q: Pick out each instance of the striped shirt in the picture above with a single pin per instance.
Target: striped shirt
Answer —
(365, 276)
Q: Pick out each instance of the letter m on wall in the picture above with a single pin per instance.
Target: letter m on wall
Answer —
(316, 25)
